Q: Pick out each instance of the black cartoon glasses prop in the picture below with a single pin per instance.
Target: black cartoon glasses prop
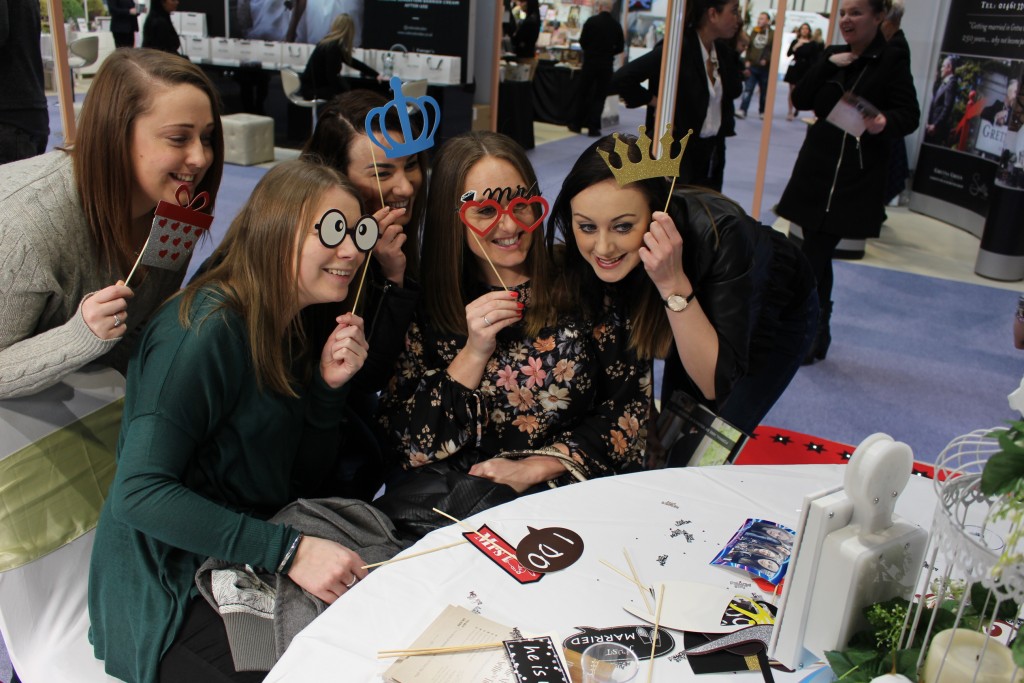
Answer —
(333, 228)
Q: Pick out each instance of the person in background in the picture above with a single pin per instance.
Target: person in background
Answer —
(124, 22)
(838, 182)
(601, 39)
(899, 163)
(729, 303)
(818, 37)
(158, 31)
(322, 77)
(491, 364)
(24, 120)
(524, 39)
(891, 27)
(804, 52)
(709, 81)
(73, 221)
(206, 456)
(757, 62)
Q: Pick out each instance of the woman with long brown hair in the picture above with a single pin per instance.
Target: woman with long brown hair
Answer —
(490, 364)
(727, 302)
(231, 413)
(72, 221)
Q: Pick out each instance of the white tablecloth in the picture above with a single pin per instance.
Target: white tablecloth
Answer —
(680, 516)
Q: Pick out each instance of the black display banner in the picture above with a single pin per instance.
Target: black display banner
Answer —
(974, 109)
(439, 27)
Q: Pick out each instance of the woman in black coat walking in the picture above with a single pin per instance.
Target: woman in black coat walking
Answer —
(709, 81)
(837, 186)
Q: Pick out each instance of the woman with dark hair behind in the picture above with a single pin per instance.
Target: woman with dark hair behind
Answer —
(524, 40)
(838, 182)
(391, 292)
(72, 221)
(158, 31)
(488, 370)
(709, 81)
(322, 77)
(727, 302)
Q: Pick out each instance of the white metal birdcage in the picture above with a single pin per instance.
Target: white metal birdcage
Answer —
(968, 545)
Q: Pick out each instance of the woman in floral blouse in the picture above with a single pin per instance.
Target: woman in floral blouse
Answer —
(488, 370)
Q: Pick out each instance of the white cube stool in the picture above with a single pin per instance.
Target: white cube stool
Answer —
(248, 139)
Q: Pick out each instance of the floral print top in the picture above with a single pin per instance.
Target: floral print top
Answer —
(574, 384)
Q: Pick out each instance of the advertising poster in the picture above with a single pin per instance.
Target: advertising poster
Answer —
(973, 113)
(428, 26)
(289, 21)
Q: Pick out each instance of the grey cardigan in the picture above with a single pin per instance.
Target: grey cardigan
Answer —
(48, 264)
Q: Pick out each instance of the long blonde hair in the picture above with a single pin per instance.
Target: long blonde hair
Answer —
(253, 269)
(342, 32)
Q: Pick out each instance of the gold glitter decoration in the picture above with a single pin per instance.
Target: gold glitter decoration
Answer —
(647, 167)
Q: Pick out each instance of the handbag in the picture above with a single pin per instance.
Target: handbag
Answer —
(687, 433)
(447, 485)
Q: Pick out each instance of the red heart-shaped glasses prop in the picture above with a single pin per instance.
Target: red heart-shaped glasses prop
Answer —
(498, 211)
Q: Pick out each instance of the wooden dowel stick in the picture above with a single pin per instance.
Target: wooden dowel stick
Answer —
(472, 530)
(668, 201)
(381, 654)
(654, 634)
(137, 262)
(376, 174)
(624, 575)
(362, 278)
(636, 580)
(409, 557)
(484, 252)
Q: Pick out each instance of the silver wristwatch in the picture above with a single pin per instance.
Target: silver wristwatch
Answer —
(678, 302)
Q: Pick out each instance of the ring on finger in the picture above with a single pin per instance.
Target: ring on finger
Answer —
(489, 323)
(117, 321)
(352, 582)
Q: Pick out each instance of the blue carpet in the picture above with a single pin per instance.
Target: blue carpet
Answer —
(919, 358)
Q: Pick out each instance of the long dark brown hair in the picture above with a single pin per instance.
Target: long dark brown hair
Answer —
(449, 270)
(341, 120)
(257, 262)
(121, 92)
(651, 336)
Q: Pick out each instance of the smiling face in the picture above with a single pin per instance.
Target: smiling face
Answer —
(171, 146)
(858, 23)
(400, 178)
(609, 223)
(507, 244)
(325, 274)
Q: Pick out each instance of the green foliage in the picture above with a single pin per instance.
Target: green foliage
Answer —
(875, 651)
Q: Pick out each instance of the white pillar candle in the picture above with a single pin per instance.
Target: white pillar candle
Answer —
(956, 654)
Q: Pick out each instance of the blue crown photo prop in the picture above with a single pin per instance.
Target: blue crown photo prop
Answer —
(392, 148)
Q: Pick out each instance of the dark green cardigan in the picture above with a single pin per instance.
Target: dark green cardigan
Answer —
(203, 459)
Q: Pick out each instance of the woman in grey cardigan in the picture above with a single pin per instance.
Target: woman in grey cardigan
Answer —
(73, 220)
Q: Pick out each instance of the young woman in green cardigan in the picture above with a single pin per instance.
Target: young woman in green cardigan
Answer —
(228, 414)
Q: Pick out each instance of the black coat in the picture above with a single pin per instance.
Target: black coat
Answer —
(838, 181)
(121, 18)
(322, 77)
(804, 58)
(158, 32)
(692, 89)
(524, 41)
(601, 39)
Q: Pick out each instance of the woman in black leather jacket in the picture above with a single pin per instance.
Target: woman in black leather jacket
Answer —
(733, 298)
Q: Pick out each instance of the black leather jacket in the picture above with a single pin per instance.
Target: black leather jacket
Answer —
(747, 278)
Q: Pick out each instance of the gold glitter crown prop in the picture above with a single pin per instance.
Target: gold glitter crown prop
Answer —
(647, 167)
